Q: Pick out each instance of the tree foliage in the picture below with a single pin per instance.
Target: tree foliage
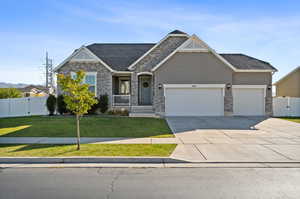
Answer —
(76, 94)
(77, 97)
(10, 93)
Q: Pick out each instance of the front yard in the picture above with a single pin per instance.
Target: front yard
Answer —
(292, 119)
(91, 126)
(46, 150)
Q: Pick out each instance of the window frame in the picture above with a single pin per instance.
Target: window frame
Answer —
(120, 84)
(88, 73)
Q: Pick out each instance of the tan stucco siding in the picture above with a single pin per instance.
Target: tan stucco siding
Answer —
(193, 68)
(252, 78)
(289, 86)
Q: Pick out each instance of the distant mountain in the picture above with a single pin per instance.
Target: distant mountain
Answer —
(11, 85)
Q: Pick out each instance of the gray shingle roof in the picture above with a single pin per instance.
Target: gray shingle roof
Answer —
(177, 32)
(241, 61)
(120, 56)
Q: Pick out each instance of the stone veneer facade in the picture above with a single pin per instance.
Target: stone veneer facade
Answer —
(269, 102)
(104, 76)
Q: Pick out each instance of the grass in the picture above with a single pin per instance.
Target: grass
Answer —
(45, 150)
(91, 126)
(292, 119)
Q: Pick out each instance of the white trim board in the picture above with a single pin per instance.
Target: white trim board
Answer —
(194, 85)
(191, 38)
(144, 73)
(205, 49)
(251, 87)
(151, 49)
(90, 53)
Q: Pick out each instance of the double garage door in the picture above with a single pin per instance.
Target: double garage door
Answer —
(204, 101)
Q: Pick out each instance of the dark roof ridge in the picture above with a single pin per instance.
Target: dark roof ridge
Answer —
(246, 56)
(122, 44)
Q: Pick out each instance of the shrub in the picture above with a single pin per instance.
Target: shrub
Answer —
(120, 112)
(61, 105)
(103, 103)
(51, 104)
(10, 93)
(94, 108)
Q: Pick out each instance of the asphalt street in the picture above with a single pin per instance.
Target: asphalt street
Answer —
(85, 183)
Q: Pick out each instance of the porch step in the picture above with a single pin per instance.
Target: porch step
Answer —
(142, 115)
(142, 109)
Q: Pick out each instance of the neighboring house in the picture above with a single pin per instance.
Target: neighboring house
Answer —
(34, 91)
(178, 76)
(289, 85)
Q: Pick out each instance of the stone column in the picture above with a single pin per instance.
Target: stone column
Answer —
(228, 102)
(134, 89)
(269, 102)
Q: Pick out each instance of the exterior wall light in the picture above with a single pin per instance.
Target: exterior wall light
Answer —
(160, 86)
(228, 86)
(269, 87)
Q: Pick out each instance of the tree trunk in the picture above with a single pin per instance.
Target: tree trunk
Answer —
(78, 132)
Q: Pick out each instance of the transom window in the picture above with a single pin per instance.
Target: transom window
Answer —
(90, 79)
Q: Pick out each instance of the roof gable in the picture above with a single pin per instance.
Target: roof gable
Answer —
(290, 73)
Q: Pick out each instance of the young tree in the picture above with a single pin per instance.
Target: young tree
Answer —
(77, 97)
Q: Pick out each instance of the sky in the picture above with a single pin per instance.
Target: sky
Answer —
(267, 30)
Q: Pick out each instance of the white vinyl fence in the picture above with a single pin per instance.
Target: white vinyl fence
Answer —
(286, 106)
(26, 106)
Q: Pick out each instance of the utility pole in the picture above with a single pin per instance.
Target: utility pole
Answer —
(49, 74)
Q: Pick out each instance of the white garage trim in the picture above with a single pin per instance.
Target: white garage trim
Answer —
(252, 86)
(194, 107)
(194, 86)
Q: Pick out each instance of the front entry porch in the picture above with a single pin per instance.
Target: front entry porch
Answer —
(138, 101)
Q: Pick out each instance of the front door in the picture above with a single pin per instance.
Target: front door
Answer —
(145, 90)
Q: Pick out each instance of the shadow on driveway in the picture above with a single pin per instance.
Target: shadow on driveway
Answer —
(181, 124)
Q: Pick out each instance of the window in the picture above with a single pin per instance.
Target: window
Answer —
(124, 86)
(90, 79)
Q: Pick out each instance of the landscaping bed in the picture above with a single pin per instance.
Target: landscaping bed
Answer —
(46, 150)
(90, 126)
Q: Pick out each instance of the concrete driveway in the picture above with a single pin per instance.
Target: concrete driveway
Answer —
(236, 139)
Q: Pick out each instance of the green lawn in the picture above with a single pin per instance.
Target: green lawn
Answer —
(45, 150)
(292, 119)
(92, 126)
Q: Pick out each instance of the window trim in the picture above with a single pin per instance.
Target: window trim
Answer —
(88, 73)
(120, 80)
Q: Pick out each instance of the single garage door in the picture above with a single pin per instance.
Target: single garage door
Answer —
(248, 101)
(194, 102)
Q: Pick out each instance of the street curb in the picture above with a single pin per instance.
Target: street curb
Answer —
(151, 165)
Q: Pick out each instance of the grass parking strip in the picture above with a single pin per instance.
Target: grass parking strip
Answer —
(47, 150)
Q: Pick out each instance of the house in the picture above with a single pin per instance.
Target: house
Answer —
(34, 91)
(178, 76)
(289, 85)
